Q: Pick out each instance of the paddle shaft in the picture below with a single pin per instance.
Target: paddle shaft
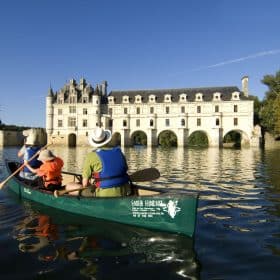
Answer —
(15, 172)
(58, 193)
(144, 175)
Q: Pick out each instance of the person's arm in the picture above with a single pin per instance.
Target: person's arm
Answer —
(88, 167)
(34, 170)
(41, 171)
(85, 182)
(21, 152)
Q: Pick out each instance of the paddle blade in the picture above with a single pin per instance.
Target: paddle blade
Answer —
(143, 175)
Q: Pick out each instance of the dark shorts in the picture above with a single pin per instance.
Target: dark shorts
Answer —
(52, 187)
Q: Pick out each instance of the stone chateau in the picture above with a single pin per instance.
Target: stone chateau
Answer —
(75, 109)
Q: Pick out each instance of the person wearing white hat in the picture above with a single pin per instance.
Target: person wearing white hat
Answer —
(105, 166)
(50, 170)
(28, 150)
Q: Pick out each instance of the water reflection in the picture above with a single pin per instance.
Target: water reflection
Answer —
(101, 250)
(238, 225)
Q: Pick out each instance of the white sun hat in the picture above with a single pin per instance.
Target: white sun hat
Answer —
(31, 138)
(99, 137)
(46, 155)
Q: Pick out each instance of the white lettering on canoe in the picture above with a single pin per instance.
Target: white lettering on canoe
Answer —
(26, 190)
(150, 208)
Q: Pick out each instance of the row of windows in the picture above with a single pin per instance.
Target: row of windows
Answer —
(183, 109)
(183, 122)
(72, 122)
(73, 100)
(72, 110)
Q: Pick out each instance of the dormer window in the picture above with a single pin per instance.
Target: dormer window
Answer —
(125, 99)
(138, 99)
(167, 98)
(111, 99)
(235, 95)
(72, 99)
(217, 96)
(152, 98)
(199, 97)
(183, 97)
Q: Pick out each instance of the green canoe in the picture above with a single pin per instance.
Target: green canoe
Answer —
(168, 210)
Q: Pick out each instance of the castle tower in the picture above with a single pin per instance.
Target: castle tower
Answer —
(96, 108)
(49, 112)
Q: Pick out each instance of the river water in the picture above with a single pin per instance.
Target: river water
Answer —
(237, 232)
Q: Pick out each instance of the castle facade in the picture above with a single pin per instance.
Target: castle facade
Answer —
(74, 110)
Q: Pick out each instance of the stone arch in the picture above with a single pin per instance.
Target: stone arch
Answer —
(167, 138)
(138, 137)
(199, 138)
(72, 140)
(235, 138)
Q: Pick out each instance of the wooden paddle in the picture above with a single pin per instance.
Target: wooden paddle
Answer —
(15, 172)
(58, 193)
(143, 175)
(147, 174)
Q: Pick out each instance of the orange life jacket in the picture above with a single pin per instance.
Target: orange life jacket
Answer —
(52, 172)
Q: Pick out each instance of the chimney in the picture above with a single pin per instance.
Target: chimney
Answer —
(82, 83)
(245, 89)
(104, 85)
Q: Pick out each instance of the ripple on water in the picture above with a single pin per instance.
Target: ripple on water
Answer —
(237, 233)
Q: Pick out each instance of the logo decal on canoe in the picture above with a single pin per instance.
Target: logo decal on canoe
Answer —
(150, 208)
(172, 208)
(26, 190)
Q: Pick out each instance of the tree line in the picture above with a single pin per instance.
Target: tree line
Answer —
(267, 111)
(12, 127)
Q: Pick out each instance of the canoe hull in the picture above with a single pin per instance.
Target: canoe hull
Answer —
(168, 212)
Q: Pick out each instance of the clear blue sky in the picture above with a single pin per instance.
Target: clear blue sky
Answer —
(133, 44)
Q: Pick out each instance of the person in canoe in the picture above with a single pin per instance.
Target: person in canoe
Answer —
(27, 151)
(50, 170)
(105, 166)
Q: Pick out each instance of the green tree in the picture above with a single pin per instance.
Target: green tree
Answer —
(277, 116)
(12, 127)
(140, 138)
(168, 139)
(199, 139)
(257, 108)
(270, 110)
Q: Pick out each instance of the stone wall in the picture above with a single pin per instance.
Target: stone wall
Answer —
(10, 138)
(15, 138)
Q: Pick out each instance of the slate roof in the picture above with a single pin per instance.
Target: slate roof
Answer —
(89, 91)
(226, 94)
